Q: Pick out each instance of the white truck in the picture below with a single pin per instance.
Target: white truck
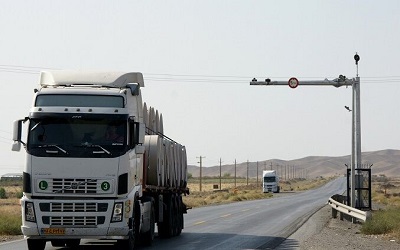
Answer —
(270, 181)
(98, 164)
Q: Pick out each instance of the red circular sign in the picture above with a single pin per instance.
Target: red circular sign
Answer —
(293, 82)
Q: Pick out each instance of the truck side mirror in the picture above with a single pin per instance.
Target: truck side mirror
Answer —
(137, 132)
(17, 133)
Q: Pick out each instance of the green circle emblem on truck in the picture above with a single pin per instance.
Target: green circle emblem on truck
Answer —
(43, 185)
(105, 186)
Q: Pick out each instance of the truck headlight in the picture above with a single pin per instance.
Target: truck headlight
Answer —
(117, 212)
(30, 212)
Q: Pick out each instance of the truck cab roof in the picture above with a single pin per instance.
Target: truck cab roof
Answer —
(98, 78)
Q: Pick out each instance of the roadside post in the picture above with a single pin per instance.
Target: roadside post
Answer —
(293, 83)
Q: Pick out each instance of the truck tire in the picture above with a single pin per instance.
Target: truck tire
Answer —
(179, 216)
(175, 223)
(58, 243)
(128, 244)
(148, 237)
(36, 244)
(73, 243)
(165, 229)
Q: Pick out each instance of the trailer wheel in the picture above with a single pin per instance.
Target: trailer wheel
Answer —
(179, 217)
(174, 216)
(36, 244)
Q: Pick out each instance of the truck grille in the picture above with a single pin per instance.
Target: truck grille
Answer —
(74, 186)
(73, 207)
(80, 219)
(65, 207)
(73, 221)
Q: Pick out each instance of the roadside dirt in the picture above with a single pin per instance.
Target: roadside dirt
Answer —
(4, 238)
(321, 232)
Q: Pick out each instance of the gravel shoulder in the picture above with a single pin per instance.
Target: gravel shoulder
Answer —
(323, 232)
(5, 238)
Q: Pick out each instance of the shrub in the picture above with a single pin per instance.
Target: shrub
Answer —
(383, 222)
(19, 194)
(2, 193)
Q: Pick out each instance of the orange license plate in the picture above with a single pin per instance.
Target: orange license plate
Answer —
(53, 231)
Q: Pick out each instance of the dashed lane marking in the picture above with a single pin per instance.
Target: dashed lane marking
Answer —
(225, 215)
(199, 222)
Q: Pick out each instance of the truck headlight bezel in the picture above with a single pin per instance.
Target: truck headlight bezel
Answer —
(30, 212)
(118, 211)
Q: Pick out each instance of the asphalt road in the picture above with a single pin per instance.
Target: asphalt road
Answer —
(259, 224)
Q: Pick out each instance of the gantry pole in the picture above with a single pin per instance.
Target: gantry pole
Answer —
(356, 115)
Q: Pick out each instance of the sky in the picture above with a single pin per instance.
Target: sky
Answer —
(198, 57)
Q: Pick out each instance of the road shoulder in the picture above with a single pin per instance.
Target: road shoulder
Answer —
(323, 232)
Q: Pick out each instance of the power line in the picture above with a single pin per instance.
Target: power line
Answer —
(196, 77)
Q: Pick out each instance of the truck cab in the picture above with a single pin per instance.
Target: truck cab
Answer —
(86, 168)
(270, 181)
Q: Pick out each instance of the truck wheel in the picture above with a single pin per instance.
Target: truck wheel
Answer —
(179, 216)
(177, 212)
(36, 244)
(57, 243)
(73, 243)
(165, 227)
(174, 227)
(128, 244)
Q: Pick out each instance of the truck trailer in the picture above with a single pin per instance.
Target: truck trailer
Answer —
(98, 164)
(270, 181)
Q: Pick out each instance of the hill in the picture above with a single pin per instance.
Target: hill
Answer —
(385, 162)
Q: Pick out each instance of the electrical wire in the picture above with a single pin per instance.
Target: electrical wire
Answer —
(200, 78)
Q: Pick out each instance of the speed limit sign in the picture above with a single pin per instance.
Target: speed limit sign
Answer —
(293, 82)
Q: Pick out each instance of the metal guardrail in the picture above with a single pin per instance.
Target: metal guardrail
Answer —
(336, 202)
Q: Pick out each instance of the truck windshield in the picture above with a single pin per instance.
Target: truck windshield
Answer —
(269, 179)
(77, 136)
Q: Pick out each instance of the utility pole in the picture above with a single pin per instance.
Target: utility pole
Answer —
(247, 178)
(220, 172)
(201, 161)
(270, 164)
(356, 120)
(257, 173)
(235, 172)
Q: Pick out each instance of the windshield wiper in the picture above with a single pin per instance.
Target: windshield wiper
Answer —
(36, 125)
(54, 146)
(95, 146)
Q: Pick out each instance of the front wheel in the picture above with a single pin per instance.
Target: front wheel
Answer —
(36, 244)
(128, 244)
(73, 243)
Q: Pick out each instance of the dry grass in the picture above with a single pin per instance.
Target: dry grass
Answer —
(386, 221)
(10, 216)
(10, 209)
(229, 193)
